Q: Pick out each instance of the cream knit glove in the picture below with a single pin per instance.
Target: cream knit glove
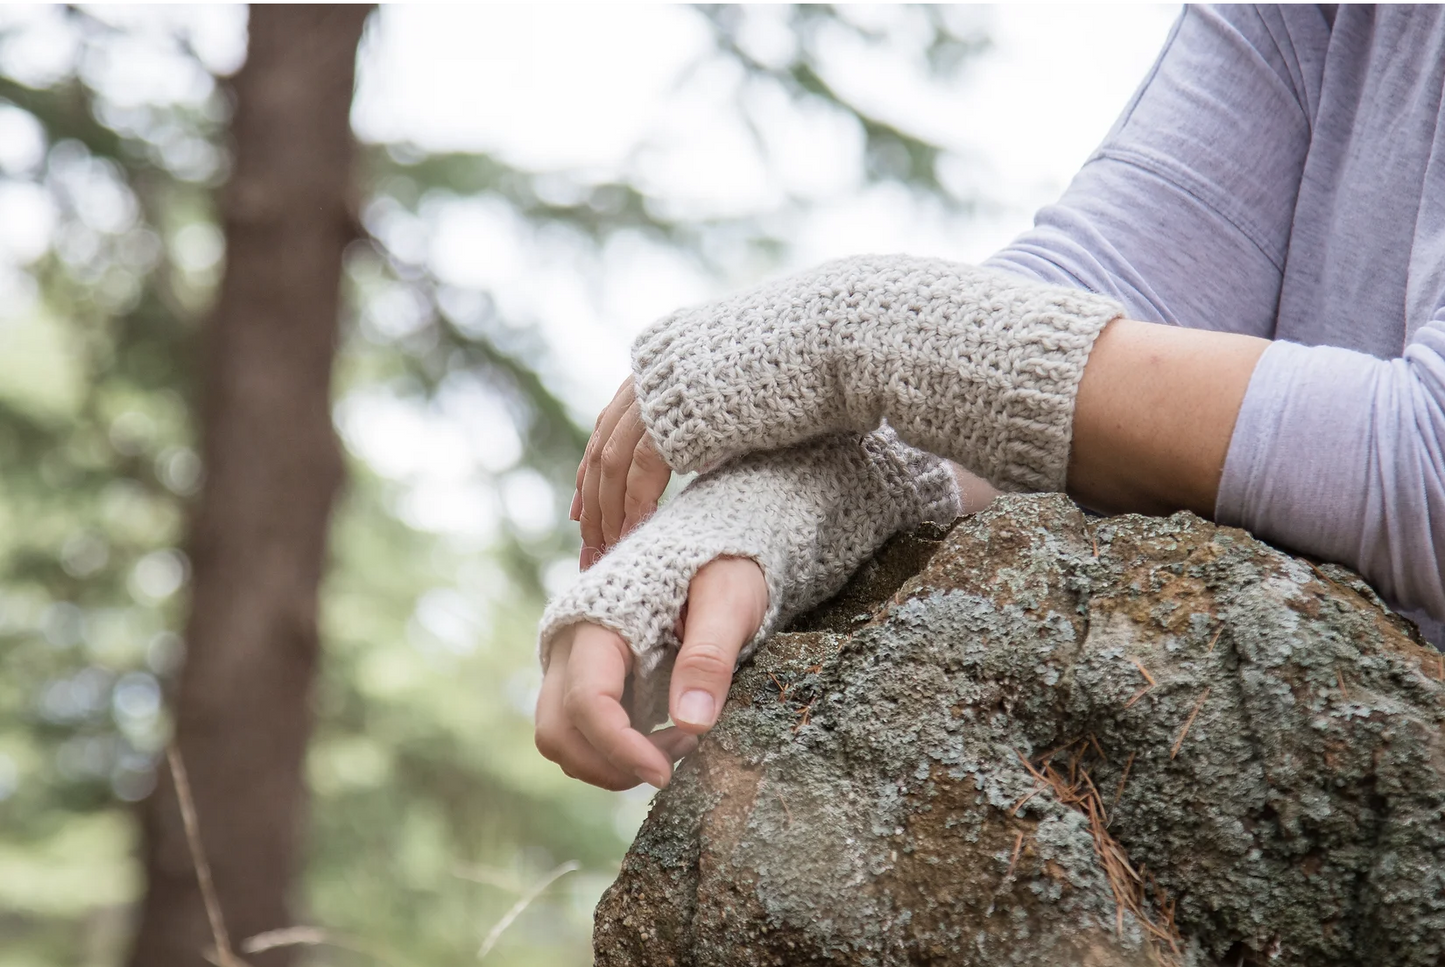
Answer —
(809, 516)
(977, 366)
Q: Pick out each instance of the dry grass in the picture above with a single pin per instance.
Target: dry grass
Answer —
(222, 954)
(524, 901)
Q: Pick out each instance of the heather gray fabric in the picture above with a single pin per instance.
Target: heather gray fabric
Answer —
(1281, 172)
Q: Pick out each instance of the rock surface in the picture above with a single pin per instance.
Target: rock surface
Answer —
(1061, 741)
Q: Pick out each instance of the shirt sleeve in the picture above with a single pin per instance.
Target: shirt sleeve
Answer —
(1184, 212)
(1184, 215)
(1342, 455)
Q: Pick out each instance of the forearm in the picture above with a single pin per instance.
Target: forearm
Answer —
(1327, 451)
(1154, 414)
(1027, 385)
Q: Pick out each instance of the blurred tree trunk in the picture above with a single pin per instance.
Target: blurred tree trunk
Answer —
(273, 467)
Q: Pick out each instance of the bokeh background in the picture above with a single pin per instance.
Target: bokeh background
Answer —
(537, 183)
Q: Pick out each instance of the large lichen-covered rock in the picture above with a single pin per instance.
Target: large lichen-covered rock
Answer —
(1061, 740)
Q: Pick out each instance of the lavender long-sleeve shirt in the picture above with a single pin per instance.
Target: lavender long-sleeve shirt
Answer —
(1281, 172)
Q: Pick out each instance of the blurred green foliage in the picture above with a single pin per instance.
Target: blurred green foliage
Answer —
(431, 811)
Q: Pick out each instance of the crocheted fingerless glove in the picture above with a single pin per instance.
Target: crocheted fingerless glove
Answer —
(977, 366)
(809, 516)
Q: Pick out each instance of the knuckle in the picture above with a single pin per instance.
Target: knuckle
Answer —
(645, 454)
(705, 658)
(574, 702)
(548, 745)
(614, 458)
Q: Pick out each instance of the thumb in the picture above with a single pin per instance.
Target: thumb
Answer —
(726, 603)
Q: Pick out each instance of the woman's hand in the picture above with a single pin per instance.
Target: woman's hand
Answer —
(581, 724)
(620, 479)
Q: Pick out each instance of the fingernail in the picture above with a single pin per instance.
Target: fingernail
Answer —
(590, 556)
(654, 779)
(576, 512)
(696, 707)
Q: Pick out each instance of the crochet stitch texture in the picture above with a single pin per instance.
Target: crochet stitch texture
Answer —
(809, 516)
(975, 365)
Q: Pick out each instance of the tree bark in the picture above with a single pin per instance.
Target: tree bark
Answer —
(273, 468)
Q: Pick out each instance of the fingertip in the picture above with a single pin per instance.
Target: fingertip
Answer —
(674, 743)
(576, 512)
(696, 711)
(654, 764)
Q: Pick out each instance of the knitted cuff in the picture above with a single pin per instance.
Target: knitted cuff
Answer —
(809, 516)
(975, 365)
